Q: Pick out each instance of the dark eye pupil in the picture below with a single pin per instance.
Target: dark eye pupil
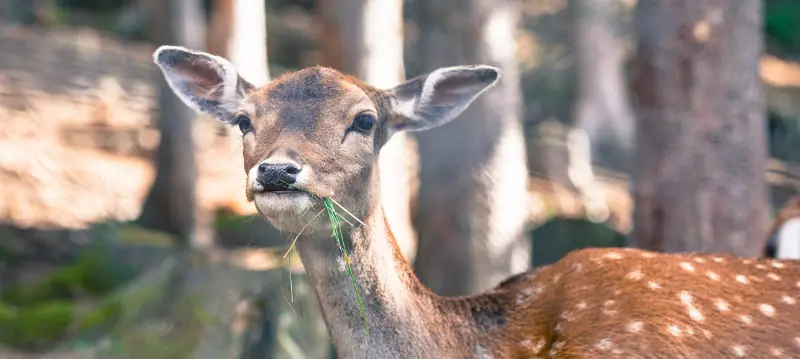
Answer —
(244, 124)
(364, 122)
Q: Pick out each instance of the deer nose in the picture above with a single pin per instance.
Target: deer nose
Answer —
(277, 176)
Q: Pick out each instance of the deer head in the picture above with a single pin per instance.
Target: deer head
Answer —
(316, 132)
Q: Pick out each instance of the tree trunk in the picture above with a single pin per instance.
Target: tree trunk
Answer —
(701, 155)
(171, 204)
(603, 122)
(365, 38)
(472, 198)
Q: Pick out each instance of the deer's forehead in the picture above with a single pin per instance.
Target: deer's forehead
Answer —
(308, 99)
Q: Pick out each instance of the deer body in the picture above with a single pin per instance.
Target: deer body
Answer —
(316, 134)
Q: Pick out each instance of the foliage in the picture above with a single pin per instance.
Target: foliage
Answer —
(782, 23)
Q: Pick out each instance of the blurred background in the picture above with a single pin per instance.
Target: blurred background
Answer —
(124, 232)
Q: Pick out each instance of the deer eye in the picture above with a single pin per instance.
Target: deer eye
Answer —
(363, 122)
(244, 124)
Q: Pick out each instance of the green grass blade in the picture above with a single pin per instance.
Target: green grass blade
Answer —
(339, 237)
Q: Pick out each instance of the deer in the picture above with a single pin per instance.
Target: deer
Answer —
(316, 133)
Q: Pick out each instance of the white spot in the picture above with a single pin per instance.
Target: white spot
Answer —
(635, 327)
(534, 347)
(777, 265)
(604, 344)
(717, 259)
(558, 345)
(746, 319)
(742, 279)
(722, 305)
(797, 284)
(695, 314)
(653, 285)
(521, 298)
(788, 300)
(778, 352)
(687, 266)
(774, 276)
(686, 298)
(707, 333)
(713, 276)
(577, 267)
(761, 266)
(538, 289)
(648, 255)
(556, 277)
(699, 260)
(747, 261)
(674, 330)
(767, 309)
(612, 255)
(635, 275)
(738, 350)
(581, 305)
(797, 341)
(567, 316)
(607, 310)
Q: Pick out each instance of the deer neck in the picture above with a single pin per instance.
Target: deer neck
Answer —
(401, 313)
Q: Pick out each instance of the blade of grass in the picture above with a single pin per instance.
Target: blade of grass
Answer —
(301, 232)
(346, 211)
(337, 232)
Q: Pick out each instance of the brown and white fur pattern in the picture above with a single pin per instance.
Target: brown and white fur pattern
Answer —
(594, 303)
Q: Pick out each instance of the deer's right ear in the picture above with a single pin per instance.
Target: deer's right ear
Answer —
(206, 83)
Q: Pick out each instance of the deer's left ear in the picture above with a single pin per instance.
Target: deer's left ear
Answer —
(434, 99)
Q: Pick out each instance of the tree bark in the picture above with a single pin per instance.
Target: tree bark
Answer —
(365, 38)
(699, 183)
(171, 204)
(472, 199)
(603, 122)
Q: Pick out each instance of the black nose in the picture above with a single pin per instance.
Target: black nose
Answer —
(277, 176)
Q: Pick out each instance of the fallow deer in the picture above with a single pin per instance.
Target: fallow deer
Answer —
(316, 133)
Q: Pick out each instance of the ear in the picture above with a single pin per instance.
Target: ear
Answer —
(432, 100)
(206, 83)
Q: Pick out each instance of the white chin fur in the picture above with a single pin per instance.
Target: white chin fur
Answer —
(283, 204)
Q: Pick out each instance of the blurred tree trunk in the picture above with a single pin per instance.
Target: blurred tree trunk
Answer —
(171, 204)
(472, 196)
(238, 32)
(365, 39)
(602, 114)
(701, 153)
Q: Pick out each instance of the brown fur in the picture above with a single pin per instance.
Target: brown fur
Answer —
(591, 302)
(594, 303)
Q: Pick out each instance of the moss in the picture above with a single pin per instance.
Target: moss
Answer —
(92, 275)
(106, 314)
(31, 328)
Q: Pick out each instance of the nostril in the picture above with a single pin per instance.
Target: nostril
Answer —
(263, 167)
(292, 169)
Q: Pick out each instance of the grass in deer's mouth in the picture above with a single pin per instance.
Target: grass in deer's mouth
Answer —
(339, 237)
(335, 219)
